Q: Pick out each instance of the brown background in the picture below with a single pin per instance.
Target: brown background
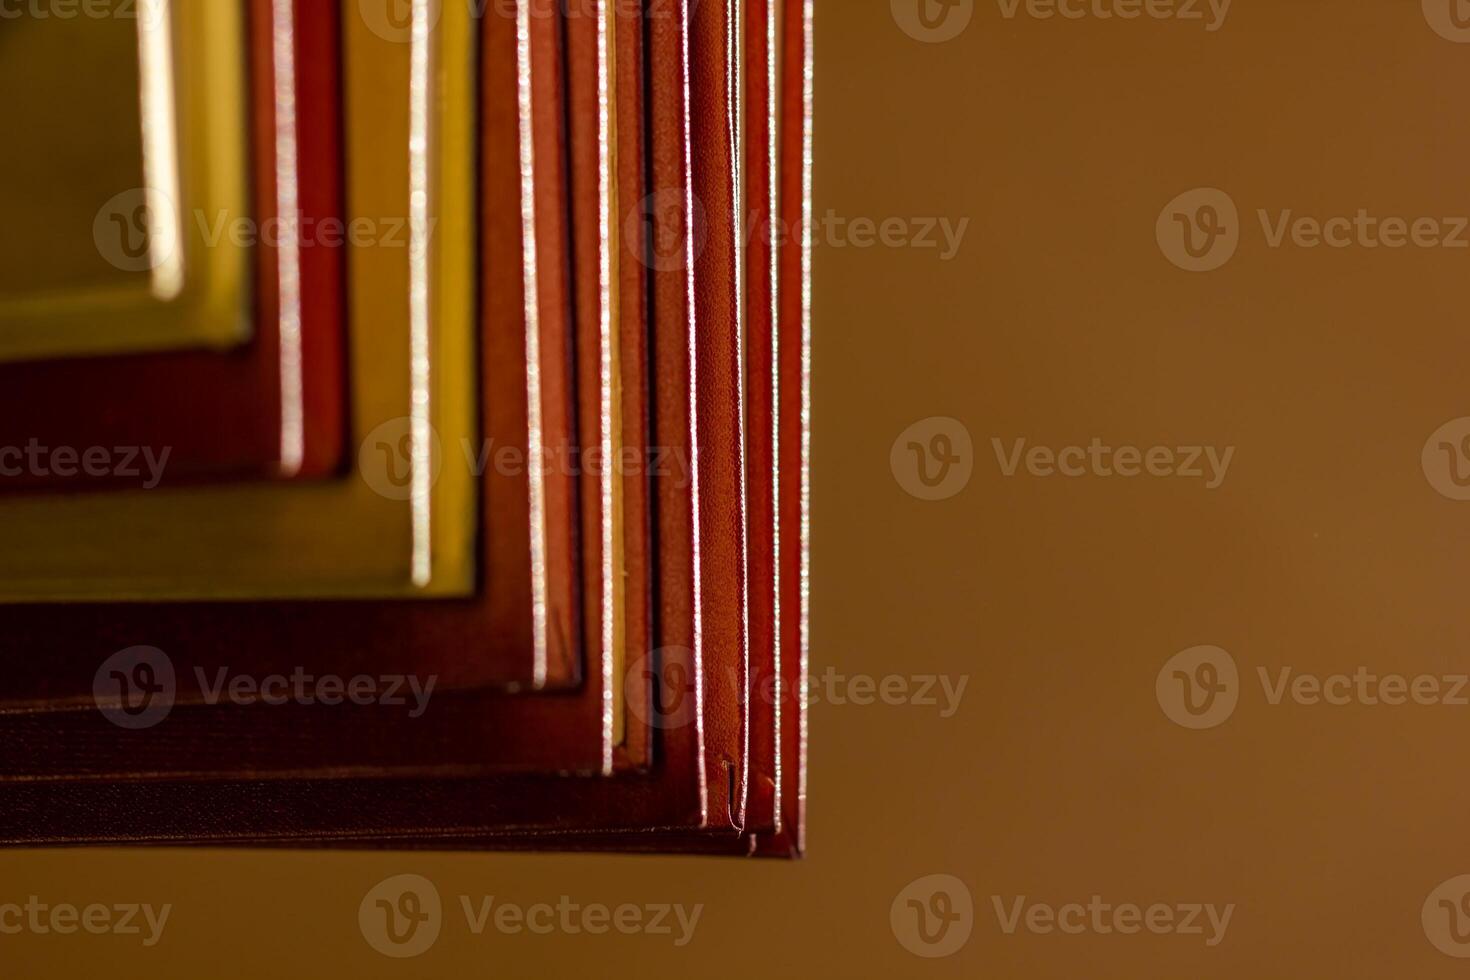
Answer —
(1060, 599)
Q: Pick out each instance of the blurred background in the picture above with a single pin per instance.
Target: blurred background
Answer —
(1133, 494)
